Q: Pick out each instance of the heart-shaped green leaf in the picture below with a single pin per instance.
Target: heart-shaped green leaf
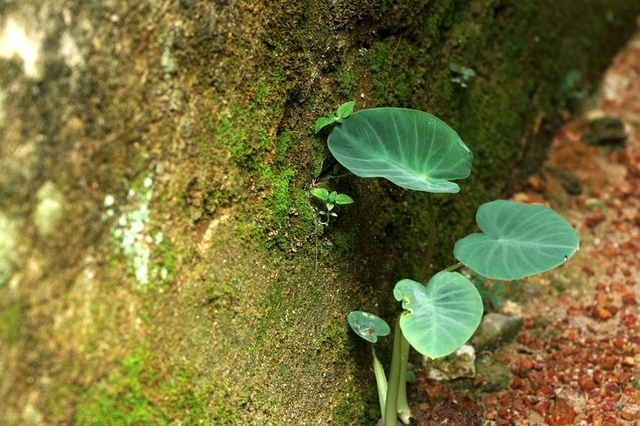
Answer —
(343, 199)
(368, 326)
(323, 122)
(345, 109)
(320, 193)
(518, 240)
(412, 149)
(441, 317)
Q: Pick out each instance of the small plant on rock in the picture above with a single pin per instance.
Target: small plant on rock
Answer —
(418, 151)
(462, 74)
(343, 112)
(330, 199)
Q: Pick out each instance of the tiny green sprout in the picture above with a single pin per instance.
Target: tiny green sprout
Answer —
(343, 111)
(330, 199)
(462, 74)
(571, 85)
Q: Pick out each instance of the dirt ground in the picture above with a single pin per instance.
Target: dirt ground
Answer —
(576, 362)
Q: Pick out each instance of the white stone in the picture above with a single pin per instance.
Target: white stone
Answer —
(459, 364)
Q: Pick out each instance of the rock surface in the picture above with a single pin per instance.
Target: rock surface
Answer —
(496, 328)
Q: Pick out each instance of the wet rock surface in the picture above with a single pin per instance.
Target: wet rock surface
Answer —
(495, 329)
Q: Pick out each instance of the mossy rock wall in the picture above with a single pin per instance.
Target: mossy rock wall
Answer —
(161, 258)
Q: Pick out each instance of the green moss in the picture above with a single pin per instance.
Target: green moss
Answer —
(231, 132)
(10, 322)
(391, 67)
(278, 205)
(120, 399)
(303, 218)
(281, 199)
(250, 133)
(167, 263)
(310, 324)
(346, 81)
(249, 130)
(283, 143)
(137, 393)
(344, 242)
(360, 406)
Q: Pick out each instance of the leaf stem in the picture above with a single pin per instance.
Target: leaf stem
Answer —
(396, 395)
(404, 412)
(432, 239)
(339, 176)
(391, 408)
(454, 267)
(381, 380)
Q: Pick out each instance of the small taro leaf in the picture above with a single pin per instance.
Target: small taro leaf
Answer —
(412, 149)
(368, 326)
(322, 122)
(345, 109)
(320, 193)
(441, 317)
(518, 240)
(344, 199)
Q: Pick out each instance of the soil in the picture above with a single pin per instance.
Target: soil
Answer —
(448, 414)
(576, 362)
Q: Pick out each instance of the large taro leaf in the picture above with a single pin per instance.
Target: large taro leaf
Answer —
(518, 240)
(441, 317)
(411, 148)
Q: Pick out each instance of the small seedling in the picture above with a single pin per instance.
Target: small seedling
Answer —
(462, 74)
(571, 85)
(418, 151)
(331, 199)
(343, 112)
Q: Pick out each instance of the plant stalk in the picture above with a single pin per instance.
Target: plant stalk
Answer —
(381, 380)
(432, 240)
(404, 412)
(454, 267)
(396, 394)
